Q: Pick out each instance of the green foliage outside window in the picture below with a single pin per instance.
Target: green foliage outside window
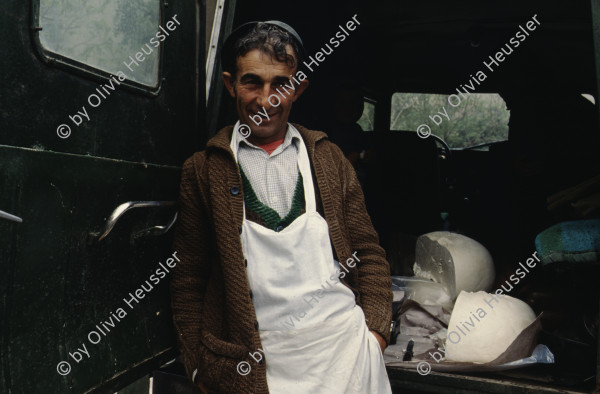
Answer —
(479, 118)
(367, 120)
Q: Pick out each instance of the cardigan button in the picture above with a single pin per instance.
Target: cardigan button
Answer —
(234, 190)
(245, 262)
(240, 229)
(256, 325)
(279, 228)
(251, 295)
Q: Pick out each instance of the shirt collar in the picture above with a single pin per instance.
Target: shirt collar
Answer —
(292, 135)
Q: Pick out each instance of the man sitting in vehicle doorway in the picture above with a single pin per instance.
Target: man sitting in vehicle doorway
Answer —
(280, 271)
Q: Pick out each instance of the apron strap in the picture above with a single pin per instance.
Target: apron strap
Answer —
(309, 189)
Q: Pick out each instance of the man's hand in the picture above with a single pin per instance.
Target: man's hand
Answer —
(202, 388)
(381, 341)
(198, 383)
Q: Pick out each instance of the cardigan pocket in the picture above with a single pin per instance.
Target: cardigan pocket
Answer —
(221, 347)
(217, 364)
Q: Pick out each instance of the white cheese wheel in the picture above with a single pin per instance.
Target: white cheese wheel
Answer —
(482, 326)
(457, 262)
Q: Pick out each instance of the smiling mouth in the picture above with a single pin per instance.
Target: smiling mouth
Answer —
(262, 114)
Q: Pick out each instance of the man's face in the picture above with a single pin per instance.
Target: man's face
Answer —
(258, 76)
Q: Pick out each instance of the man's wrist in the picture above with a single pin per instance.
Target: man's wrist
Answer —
(380, 340)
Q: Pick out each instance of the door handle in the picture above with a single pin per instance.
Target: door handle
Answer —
(8, 216)
(156, 230)
(126, 206)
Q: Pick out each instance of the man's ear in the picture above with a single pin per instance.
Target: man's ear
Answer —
(229, 82)
(300, 89)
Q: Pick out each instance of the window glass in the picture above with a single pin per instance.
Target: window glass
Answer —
(367, 120)
(104, 34)
(461, 120)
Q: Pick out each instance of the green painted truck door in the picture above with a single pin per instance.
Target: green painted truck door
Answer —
(84, 309)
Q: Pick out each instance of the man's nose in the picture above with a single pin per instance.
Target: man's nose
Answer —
(263, 97)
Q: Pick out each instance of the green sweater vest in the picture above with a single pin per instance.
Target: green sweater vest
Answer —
(268, 214)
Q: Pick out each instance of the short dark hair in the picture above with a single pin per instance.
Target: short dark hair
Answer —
(267, 38)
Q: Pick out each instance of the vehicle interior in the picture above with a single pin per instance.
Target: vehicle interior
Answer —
(498, 191)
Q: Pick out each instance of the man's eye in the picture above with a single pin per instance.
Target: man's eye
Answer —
(251, 83)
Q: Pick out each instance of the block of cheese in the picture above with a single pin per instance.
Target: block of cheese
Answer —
(455, 261)
(482, 326)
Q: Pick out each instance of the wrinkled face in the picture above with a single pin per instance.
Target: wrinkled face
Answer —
(258, 102)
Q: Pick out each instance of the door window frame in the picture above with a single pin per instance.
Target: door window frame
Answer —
(87, 71)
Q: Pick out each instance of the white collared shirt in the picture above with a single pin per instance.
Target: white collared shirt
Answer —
(273, 177)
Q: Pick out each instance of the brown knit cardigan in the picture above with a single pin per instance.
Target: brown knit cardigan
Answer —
(213, 312)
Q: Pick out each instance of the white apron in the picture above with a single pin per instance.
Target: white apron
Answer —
(314, 336)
